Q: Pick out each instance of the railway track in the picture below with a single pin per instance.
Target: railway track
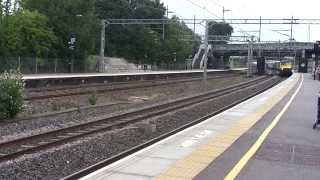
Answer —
(101, 88)
(27, 145)
(90, 169)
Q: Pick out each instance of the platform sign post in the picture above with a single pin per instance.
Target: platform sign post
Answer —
(317, 123)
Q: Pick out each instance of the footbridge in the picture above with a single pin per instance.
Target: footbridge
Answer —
(266, 49)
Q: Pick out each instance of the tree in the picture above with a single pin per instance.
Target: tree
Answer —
(146, 9)
(144, 43)
(7, 7)
(175, 44)
(220, 29)
(25, 34)
(1, 10)
(70, 18)
(116, 9)
(59, 21)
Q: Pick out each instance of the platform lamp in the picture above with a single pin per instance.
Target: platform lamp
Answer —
(72, 44)
(174, 60)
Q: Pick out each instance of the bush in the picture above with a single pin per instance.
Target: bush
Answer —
(93, 98)
(11, 94)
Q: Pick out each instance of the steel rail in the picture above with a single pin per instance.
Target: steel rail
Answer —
(27, 145)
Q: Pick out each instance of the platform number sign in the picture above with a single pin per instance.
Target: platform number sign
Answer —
(72, 42)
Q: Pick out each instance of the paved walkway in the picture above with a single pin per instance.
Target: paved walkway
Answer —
(290, 152)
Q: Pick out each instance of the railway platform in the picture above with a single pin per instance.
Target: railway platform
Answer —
(49, 80)
(269, 136)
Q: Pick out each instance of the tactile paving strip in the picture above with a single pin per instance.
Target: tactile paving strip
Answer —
(290, 153)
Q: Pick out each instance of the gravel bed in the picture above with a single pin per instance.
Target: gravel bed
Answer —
(87, 88)
(57, 163)
(13, 130)
(129, 95)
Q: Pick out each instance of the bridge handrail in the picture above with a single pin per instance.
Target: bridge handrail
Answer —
(266, 46)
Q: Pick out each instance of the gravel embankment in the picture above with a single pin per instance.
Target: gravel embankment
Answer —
(57, 163)
(156, 95)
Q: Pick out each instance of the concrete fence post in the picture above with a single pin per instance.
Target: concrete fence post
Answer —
(36, 65)
(19, 64)
(55, 65)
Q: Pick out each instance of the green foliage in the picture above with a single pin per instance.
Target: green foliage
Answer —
(43, 28)
(25, 33)
(93, 98)
(220, 29)
(1, 10)
(7, 7)
(11, 98)
(144, 43)
(70, 18)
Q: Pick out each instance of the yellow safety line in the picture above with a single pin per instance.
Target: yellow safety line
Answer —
(244, 160)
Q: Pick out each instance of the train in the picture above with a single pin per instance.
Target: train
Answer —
(286, 69)
(282, 68)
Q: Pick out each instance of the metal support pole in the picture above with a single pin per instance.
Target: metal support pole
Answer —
(259, 40)
(102, 45)
(260, 26)
(291, 29)
(223, 13)
(248, 60)
(194, 27)
(309, 33)
(279, 53)
(163, 31)
(206, 43)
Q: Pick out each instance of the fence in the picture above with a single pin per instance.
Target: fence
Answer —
(28, 65)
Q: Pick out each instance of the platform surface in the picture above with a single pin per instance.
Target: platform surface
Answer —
(55, 76)
(193, 153)
(290, 152)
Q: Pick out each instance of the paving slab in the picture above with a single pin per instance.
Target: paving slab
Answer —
(148, 166)
(293, 144)
(290, 152)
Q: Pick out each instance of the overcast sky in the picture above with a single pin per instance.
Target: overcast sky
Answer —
(254, 9)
